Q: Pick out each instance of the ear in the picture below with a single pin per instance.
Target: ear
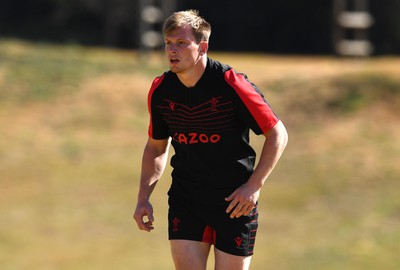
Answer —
(203, 47)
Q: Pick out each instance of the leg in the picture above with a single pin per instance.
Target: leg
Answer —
(190, 255)
(225, 261)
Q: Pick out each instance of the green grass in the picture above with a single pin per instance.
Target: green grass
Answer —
(73, 123)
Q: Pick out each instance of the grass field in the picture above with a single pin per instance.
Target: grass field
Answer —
(73, 123)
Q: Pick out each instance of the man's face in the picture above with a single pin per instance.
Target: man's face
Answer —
(182, 50)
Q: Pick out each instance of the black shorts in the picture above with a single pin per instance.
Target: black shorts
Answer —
(211, 224)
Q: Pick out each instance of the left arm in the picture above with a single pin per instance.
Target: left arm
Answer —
(243, 199)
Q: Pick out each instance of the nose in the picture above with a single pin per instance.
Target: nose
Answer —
(171, 48)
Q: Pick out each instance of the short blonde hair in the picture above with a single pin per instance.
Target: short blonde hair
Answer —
(201, 28)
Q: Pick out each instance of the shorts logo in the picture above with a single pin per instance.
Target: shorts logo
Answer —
(175, 224)
(238, 241)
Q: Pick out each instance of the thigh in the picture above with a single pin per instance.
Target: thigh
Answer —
(183, 221)
(190, 255)
(225, 261)
(236, 236)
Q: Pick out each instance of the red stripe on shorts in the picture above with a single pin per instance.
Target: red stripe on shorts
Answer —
(209, 235)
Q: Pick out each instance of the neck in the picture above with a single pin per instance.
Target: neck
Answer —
(192, 76)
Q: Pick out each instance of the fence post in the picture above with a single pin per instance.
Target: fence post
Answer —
(351, 23)
(152, 15)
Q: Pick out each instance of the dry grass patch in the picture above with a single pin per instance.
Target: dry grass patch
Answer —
(70, 161)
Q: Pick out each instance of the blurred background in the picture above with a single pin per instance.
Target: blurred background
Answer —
(274, 26)
(74, 77)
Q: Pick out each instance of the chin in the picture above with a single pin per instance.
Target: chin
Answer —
(174, 69)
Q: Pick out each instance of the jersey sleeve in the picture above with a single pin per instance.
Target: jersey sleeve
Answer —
(253, 109)
(158, 129)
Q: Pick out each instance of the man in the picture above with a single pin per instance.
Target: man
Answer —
(205, 110)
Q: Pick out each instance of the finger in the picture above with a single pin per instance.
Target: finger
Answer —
(146, 226)
(150, 217)
(230, 197)
(149, 226)
(231, 206)
(248, 211)
(244, 210)
(236, 211)
(149, 223)
(141, 223)
(138, 219)
(241, 212)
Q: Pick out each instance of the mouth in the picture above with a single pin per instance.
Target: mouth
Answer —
(174, 60)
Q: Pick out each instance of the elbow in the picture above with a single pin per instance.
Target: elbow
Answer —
(284, 136)
(279, 135)
(282, 139)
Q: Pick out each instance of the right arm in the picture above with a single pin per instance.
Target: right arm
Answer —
(154, 160)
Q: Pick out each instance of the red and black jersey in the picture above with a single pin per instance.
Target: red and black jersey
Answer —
(209, 125)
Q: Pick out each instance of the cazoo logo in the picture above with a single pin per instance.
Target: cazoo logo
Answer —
(194, 138)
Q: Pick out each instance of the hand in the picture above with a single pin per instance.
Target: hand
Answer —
(144, 209)
(243, 200)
